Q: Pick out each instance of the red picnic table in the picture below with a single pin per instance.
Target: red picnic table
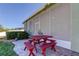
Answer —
(45, 45)
(36, 39)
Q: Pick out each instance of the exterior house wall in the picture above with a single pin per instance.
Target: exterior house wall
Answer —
(26, 26)
(61, 21)
(55, 21)
(44, 22)
(75, 27)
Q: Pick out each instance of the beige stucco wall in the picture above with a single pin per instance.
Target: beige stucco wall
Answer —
(25, 26)
(55, 21)
(44, 22)
(75, 27)
(29, 26)
(61, 22)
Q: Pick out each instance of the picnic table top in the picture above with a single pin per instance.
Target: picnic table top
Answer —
(38, 37)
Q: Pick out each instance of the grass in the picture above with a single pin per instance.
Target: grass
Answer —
(6, 49)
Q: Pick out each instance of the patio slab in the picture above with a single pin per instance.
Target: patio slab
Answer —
(19, 49)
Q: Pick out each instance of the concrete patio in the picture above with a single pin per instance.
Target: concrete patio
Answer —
(19, 49)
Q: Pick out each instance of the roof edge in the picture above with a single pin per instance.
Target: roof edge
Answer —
(44, 8)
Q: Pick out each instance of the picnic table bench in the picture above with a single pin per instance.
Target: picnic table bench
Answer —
(30, 47)
(51, 45)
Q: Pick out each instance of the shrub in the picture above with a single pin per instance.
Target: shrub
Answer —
(18, 35)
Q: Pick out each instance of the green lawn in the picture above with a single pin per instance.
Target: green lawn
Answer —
(6, 49)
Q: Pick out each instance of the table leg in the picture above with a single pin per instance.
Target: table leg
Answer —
(31, 52)
(35, 47)
(44, 51)
(53, 47)
(24, 48)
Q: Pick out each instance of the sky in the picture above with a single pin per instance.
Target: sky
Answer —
(13, 15)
